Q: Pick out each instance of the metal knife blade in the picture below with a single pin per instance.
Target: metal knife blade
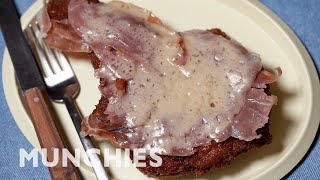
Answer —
(26, 68)
(33, 87)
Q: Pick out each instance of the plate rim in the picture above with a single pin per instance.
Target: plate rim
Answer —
(313, 125)
(264, 11)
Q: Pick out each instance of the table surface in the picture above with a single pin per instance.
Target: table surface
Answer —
(302, 16)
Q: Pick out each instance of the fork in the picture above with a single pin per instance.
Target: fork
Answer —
(62, 86)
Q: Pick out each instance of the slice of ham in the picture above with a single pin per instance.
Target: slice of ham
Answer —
(265, 77)
(62, 36)
(44, 21)
(121, 49)
(254, 115)
(106, 25)
(59, 34)
(165, 90)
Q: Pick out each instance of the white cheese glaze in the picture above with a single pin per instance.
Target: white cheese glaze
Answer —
(179, 94)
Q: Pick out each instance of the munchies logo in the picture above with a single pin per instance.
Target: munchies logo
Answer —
(121, 158)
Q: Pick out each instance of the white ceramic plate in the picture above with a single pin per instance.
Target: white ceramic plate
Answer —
(293, 122)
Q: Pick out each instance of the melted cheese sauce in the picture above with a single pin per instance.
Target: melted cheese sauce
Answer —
(170, 101)
(167, 106)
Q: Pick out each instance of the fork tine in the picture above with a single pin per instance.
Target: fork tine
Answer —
(64, 62)
(50, 55)
(40, 51)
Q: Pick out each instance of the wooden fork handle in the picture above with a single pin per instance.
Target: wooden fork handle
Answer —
(48, 134)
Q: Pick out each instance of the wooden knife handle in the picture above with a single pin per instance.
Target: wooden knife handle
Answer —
(48, 134)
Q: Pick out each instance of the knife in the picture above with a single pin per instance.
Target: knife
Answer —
(33, 89)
